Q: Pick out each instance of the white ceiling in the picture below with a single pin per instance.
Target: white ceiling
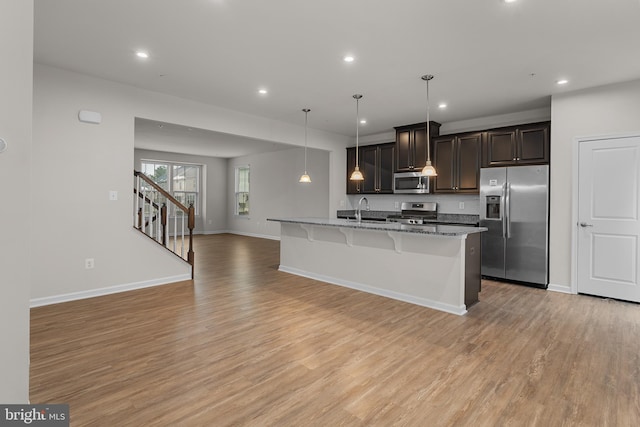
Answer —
(488, 57)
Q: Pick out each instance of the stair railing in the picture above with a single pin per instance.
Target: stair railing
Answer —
(152, 207)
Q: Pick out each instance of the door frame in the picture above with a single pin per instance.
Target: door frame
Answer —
(575, 187)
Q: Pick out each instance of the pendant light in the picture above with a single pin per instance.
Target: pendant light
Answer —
(305, 178)
(428, 169)
(357, 175)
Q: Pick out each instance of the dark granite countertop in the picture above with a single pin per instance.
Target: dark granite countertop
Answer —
(446, 218)
(434, 229)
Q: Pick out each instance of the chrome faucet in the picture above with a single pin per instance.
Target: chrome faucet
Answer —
(359, 210)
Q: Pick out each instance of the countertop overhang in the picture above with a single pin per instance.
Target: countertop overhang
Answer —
(431, 229)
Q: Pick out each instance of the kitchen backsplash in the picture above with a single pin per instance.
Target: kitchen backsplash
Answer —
(447, 203)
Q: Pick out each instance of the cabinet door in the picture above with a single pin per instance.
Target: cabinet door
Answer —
(533, 143)
(500, 148)
(403, 150)
(469, 149)
(386, 167)
(353, 187)
(368, 166)
(445, 163)
(419, 147)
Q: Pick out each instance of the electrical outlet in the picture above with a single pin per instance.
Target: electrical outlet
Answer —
(342, 203)
(461, 206)
(396, 205)
(113, 195)
(89, 263)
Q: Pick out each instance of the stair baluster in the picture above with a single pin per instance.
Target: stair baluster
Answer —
(151, 219)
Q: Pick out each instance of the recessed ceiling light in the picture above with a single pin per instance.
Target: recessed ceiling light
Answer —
(262, 91)
(349, 58)
(509, 1)
(142, 54)
(442, 106)
(562, 82)
(363, 121)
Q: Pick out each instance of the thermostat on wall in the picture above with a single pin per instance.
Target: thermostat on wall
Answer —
(87, 116)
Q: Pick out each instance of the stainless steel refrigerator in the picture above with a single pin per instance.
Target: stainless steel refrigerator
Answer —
(514, 206)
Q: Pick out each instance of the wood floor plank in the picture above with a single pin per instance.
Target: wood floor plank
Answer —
(246, 345)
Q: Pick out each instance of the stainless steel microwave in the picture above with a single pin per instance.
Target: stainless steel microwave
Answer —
(410, 182)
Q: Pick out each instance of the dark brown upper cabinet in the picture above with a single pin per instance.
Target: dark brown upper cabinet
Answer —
(457, 161)
(411, 145)
(517, 145)
(377, 166)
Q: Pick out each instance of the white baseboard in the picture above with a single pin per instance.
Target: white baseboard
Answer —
(259, 236)
(56, 299)
(559, 288)
(241, 233)
(206, 233)
(424, 302)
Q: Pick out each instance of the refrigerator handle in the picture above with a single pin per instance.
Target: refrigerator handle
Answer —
(504, 212)
(508, 210)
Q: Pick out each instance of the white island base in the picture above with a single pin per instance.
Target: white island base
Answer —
(433, 270)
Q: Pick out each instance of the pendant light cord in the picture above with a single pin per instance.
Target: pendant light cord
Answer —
(428, 126)
(306, 113)
(357, 127)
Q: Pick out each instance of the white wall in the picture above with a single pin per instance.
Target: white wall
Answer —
(605, 110)
(212, 217)
(274, 190)
(16, 47)
(85, 161)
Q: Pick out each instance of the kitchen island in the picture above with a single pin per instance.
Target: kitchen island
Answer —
(435, 266)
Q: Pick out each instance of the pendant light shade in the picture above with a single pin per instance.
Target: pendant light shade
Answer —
(356, 175)
(428, 169)
(305, 177)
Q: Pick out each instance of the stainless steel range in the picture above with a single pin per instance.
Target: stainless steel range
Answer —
(416, 213)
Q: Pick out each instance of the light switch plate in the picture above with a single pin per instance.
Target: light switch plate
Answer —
(461, 205)
(113, 195)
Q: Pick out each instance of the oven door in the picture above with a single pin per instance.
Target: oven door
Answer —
(410, 182)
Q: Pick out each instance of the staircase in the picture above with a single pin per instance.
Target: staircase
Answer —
(161, 217)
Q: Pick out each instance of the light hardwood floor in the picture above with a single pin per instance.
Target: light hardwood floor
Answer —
(247, 345)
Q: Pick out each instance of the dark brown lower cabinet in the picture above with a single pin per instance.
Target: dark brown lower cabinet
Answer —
(457, 161)
(472, 261)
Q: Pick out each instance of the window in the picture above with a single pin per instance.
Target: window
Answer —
(242, 190)
(179, 179)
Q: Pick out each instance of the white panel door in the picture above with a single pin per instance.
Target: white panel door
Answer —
(608, 223)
